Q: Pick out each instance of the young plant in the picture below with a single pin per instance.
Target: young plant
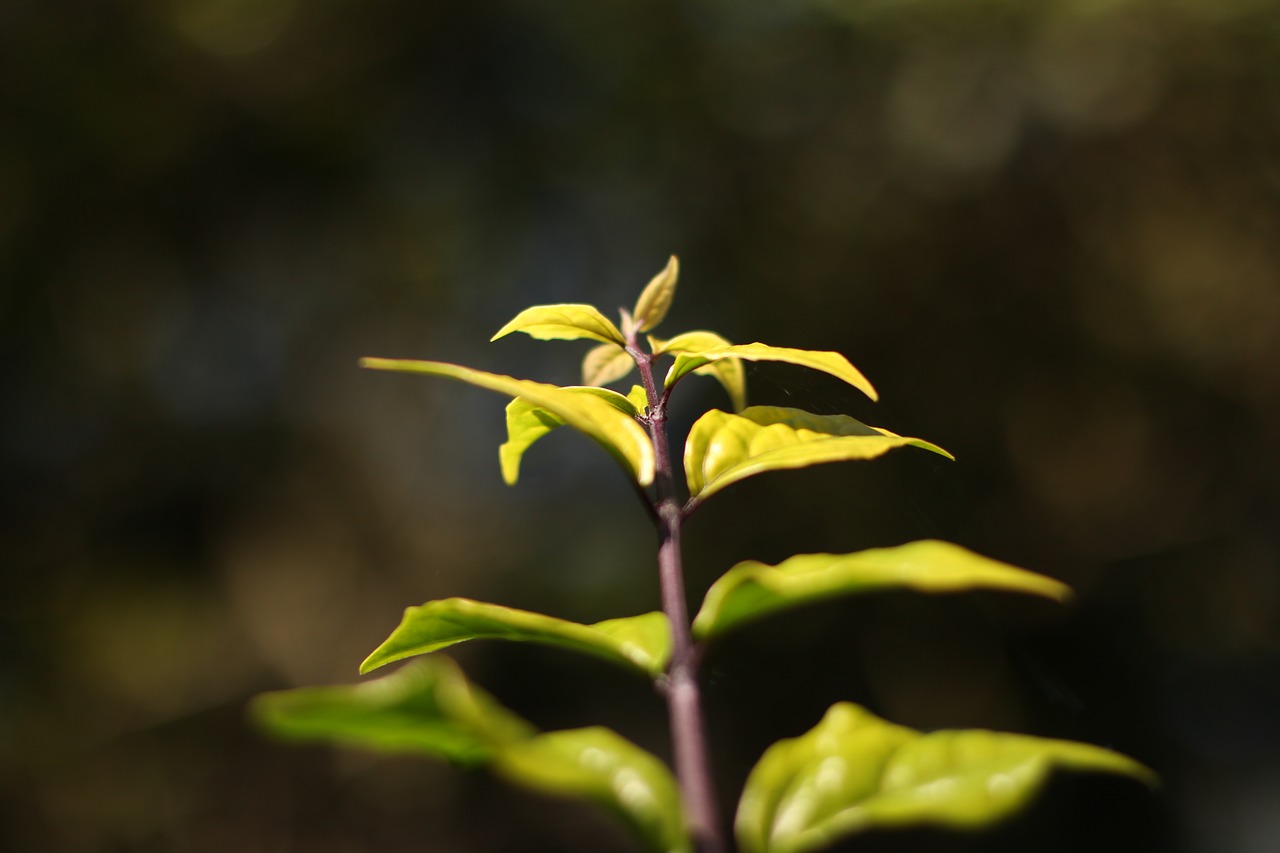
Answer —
(852, 772)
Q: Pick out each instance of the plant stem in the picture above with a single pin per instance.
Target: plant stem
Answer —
(684, 699)
(682, 691)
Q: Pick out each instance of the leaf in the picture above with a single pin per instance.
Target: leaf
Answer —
(606, 363)
(427, 708)
(611, 428)
(827, 362)
(727, 371)
(527, 422)
(639, 398)
(599, 765)
(855, 772)
(750, 590)
(563, 323)
(722, 448)
(655, 300)
(643, 642)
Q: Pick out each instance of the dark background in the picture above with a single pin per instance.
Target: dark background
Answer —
(1049, 232)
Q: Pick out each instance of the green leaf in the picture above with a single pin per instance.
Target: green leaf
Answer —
(612, 428)
(655, 300)
(563, 323)
(427, 708)
(527, 422)
(723, 448)
(750, 590)
(606, 363)
(827, 362)
(727, 371)
(855, 772)
(599, 765)
(643, 642)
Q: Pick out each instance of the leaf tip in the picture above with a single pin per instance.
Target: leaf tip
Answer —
(511, 326)
(655, 300)
(261, 710)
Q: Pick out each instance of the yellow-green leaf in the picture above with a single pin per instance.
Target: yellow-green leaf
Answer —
(723, 448)
(750, 590)
(855, 772)
(642, 642)
(639, 398)
(828, 362)
(727, 371)
(527, 422)
(606, 363)
(427, 708)
(563, 323)
(655, 299)
(600, 765)
(611, 428)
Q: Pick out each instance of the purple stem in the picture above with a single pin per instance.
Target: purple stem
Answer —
(681, 689)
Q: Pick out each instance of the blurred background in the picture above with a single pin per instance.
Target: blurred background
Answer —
(1049, 232)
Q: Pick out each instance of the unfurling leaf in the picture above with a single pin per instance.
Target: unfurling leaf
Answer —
(750, 590)
(606, 363)
(855, 772)
(611, 428)
(526, 423)
(642, 642)
(828, 362)
(723, 448)
(427, 708)
(727, 371)
(598, 764)
(563, 323)
(655, 299)
(639, 398)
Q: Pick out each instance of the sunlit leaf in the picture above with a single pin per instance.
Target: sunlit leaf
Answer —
(723, 448)
(643, 642)
(828, 362)
(527, 422)
(606, 363)
(750, 589)
(655, 299)
(612, 428)
(727, 371)
(855, 772)
(563, 323)
(599, 765)
(427, 708)
(639, 398)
